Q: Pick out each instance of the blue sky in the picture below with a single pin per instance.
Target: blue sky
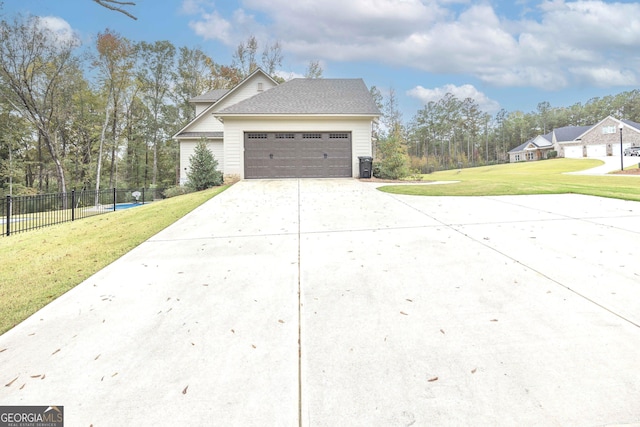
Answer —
(504, 54)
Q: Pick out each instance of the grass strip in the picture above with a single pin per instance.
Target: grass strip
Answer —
(543, 177)
(38, 266)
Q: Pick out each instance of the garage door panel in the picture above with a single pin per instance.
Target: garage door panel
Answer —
(298, 155)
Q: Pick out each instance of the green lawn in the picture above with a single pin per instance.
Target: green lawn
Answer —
(543, 177)
(39, 266)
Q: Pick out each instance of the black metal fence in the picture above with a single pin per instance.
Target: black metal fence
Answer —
(24, 213)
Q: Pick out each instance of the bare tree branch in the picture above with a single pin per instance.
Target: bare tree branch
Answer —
(115, 5)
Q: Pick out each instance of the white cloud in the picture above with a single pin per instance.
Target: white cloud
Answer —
(461, 92)
(212, 26)
(567, 43)
(59, 29)
(605, 76)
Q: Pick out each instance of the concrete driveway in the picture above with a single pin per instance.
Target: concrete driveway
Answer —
(610, 164)
(329, 303)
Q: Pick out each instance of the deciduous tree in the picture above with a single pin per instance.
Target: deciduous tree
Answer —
(33, 62)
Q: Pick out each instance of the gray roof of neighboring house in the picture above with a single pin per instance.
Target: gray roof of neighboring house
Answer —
(521, 147)
(570, 133)
(632, 124)
(310, 96)
(200, 135)
(211, 96)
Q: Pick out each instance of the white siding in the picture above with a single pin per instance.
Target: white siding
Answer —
(235, 128)
(186, 151)
(201, 107)
(248, 89)
(206, 123)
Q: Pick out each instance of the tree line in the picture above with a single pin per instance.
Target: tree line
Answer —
(452, 132)
(103, 116)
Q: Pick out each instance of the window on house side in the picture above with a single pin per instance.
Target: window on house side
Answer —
(608, 129)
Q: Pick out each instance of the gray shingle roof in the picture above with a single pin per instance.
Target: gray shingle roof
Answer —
(632, 124)
(570, 133)
(310, 96)
(211, 96)
(520, 147)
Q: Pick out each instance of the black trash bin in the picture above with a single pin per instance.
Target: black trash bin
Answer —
(366, 163)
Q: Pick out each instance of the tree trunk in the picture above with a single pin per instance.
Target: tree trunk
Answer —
(102, 136)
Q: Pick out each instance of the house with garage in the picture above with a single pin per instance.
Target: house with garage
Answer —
(599, 140)
(313, 128)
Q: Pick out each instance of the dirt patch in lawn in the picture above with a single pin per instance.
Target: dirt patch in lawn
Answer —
(635, 171)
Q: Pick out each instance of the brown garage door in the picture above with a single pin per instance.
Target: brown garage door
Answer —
(297, 154)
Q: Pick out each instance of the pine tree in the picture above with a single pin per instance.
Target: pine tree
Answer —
(203, 168)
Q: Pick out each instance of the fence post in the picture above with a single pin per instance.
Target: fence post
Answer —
(143, 195)
(114, 199)
(8, 215)
(73, 204)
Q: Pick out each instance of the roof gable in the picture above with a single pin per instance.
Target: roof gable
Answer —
(309, 96)
(222, 97)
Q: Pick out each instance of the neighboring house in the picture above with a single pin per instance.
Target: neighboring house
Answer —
(300, 128)
(600, 140)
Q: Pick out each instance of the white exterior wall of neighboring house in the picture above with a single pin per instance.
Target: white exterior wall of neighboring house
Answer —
(187, 147)
(235, 127)
(603, 139)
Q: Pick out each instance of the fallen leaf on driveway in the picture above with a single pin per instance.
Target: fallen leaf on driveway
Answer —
(280, 321)
(55, 352)
(11, 382)
(185, 390)
(473, 371)
(442, 330)
(433, 379)
(493, 320)
(402, 312)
